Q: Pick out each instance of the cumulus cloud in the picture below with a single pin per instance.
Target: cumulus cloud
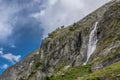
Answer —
(64, 12)
(51, 13)
(7, 20)
(11, 11)
(9, 56)
(5, 66)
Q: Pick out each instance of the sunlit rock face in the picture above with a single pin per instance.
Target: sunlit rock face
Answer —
(93, 40)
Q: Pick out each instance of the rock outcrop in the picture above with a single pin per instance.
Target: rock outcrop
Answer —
(67, 48)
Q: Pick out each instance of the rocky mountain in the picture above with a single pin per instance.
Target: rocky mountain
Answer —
(87, 50)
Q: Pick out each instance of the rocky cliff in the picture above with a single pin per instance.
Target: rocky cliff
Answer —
(87, 50)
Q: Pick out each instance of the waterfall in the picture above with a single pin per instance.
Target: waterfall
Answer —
(92, 43)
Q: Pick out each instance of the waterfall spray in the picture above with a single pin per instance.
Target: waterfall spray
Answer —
(92, 43)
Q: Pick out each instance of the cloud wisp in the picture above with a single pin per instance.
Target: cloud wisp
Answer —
(4, 66)
(9, 56)
(1, 51)
(12, 58)
(12, 46)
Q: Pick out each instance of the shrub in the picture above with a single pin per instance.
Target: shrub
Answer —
(62, 27)
(72, 28)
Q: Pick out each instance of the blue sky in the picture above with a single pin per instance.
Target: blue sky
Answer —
(24, 23)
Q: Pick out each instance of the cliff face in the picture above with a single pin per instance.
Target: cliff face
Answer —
(69, 47)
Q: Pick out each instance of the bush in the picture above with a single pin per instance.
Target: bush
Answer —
(72, 28)
(53, 34)
(62, 27)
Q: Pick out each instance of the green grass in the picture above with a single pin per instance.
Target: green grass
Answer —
(109, 73)
(71, 74)
(53, 34)
(60, 66)
(22, 79)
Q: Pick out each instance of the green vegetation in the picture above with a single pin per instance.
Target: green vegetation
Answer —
(38, 65)
(31, 74)
(107, 57)
(60, 66)
(72, 28)
(62, 27)
(53, 34)
(109, 73)
(71, 74)
(23, 79)
(95, 78)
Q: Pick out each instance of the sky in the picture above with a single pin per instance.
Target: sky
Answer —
(25, 23)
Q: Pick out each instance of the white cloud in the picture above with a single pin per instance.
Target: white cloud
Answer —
(5, 31)
(7, 20)
(5, 66)
(9, 14)
(13, 46)
(1, 51)
(42, 13)
(52, 2)
(37, 15)
(10, 57)
(54, 14)
(65, 12)
(70, 4)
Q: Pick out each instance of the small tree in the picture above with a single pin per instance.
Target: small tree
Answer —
(58, 28)
(72, 28)
(74, 24)
(62, 27)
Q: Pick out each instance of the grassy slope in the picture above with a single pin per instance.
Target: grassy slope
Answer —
(111, 72)
(71, 74)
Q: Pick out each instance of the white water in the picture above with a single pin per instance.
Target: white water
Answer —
(92, 43)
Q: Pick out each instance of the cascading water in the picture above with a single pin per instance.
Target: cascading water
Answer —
(92, 43)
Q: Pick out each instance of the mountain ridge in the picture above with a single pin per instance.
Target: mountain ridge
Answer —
(66, 48)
